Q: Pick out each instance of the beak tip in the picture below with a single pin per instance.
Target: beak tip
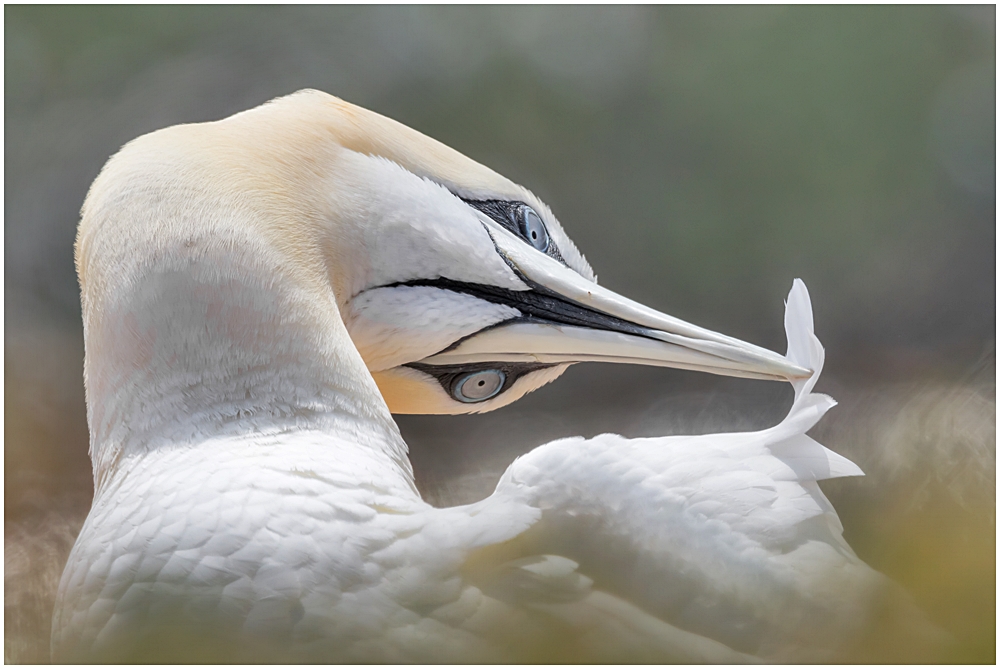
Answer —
(801, 374)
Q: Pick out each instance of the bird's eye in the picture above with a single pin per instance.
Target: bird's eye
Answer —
(533, 229)
(478, 386)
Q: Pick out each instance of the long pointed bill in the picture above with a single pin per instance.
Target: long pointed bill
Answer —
(570, 319)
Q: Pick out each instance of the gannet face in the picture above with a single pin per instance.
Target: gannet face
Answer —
(436, 276)
(465, 293)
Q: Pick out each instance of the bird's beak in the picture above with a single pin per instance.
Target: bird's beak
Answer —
(570, 319)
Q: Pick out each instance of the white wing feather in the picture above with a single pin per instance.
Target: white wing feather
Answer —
(715, 534)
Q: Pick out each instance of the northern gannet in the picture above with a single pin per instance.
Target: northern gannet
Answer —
(261, 292)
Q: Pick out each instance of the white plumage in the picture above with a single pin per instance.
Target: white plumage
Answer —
(254, 501)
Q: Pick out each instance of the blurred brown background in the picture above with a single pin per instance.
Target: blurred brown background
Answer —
(701, 157)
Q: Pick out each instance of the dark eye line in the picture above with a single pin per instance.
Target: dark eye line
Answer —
(506, 213)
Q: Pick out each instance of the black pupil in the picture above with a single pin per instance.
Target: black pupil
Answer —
(478, 386)
(534, 229)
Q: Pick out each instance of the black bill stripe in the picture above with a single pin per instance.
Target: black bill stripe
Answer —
(538, 304)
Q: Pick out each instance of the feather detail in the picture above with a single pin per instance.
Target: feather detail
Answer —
(706, 529)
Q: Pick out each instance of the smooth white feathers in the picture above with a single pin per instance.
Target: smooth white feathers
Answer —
(432, 317)
(711, 534)
(721, 475)
(306, 546)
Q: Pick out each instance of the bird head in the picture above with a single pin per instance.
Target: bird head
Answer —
(466, 293)
(229, 248)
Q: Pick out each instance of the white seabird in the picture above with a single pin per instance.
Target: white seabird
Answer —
(259, 293)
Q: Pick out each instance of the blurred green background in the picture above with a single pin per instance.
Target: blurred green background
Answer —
(701, 157)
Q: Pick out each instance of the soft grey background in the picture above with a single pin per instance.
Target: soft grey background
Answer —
(701, 157)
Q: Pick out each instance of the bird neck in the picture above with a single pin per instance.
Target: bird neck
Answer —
(195, 332)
